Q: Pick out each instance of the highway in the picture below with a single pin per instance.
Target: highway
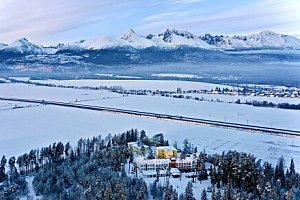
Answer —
(197, 121)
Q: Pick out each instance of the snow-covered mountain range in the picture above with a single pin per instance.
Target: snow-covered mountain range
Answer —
(264, 39)
(169, 39)
(23, 46)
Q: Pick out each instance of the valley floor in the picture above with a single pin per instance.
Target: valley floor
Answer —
(25, 126)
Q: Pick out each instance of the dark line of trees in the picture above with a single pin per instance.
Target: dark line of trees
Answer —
(271, 104)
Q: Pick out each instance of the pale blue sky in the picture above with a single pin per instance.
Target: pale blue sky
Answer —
(54, 21)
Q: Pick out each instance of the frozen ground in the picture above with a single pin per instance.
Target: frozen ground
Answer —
(270, 117)
(8, 105)
(177, 75)
(180, 184)
(49, 93)
(138, 84)
(35, 127)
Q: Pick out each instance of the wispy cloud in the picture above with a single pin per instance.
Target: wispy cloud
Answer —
(60, 20)
(38, 19)
(183, 1)
(252, 17)
(158, 17)
(170, 2)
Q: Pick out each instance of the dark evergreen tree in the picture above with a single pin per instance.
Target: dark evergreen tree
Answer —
(151, 154)
(188, 194)
(203, 195)
(2, 169)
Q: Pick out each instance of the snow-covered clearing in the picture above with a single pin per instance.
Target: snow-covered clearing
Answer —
(178, 75)
(31, 194)
(180, 184)
(105, 75)
(127, 77)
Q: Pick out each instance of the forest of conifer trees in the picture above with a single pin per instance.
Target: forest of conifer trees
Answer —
(95, 169)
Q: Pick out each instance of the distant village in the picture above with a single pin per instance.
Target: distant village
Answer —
(266, 91)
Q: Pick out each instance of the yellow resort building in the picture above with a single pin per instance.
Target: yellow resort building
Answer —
(166, 152)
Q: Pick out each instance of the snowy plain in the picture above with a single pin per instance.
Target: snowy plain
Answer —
(270, 117)
(170, 85)
(38, 126)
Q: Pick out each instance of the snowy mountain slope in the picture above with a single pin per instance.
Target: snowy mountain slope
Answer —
(175, 38)
(262, 40)
(101, 42)
(136, 41)
(169, 39)
(2, 46)
(23, 46)
(50, 50)
(271, 39)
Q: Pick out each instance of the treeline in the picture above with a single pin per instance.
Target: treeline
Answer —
(29, 163)
(271, 104)
(94, 169)
(237, 175)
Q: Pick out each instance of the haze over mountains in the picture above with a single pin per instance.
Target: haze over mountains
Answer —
(169, 39)
(265, 58)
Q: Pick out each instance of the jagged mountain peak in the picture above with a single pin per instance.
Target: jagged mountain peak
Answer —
(174, 38)
(22, 41)
(127, 34)
(135, 40)
(169, 33)
(2, 46)
(263, 40)
(24, 46)
(267, 32)
(273, 40)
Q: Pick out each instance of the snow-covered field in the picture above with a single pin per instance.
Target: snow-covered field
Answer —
(37, 126)
(177, 75)
(269, 117)
(49, 93)
(138, 84)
